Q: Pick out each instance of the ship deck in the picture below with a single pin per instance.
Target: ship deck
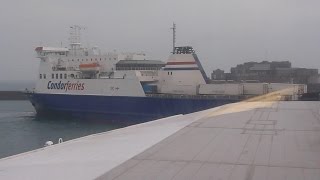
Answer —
(246, 140)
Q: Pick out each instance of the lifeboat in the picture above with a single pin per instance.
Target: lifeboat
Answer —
(89, 67)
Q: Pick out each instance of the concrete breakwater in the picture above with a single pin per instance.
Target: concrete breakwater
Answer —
(12, 95)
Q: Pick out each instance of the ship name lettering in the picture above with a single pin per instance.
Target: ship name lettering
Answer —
(66, 86)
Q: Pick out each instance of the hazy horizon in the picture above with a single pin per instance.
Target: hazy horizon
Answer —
(223, 33)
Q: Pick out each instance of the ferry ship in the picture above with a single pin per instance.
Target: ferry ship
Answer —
(125, 87)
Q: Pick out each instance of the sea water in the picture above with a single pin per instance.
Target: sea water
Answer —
(22, 130)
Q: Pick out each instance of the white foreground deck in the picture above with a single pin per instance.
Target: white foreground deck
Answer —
(247, 140)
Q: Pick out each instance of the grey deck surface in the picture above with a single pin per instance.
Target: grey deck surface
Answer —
(277, 141)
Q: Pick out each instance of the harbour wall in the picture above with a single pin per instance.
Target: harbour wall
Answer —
(12, 95)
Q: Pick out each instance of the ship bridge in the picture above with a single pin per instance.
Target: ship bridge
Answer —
(45, 51)
(183, 50)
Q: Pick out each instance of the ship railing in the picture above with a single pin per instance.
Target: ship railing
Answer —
(29, 91)
(107, 77)
(186, 96)
(111, 75)
(64, 68)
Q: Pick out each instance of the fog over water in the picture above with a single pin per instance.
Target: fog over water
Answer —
(224, 33)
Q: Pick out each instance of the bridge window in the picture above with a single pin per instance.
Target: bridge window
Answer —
(52, 76)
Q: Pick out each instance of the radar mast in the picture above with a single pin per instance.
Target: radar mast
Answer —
(173, 38)
(75, 38)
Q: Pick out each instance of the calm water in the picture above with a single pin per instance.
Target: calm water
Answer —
(21, 130)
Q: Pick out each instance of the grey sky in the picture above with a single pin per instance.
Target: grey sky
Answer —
(223, 32)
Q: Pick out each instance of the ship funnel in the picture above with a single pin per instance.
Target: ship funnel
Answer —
(185, 61)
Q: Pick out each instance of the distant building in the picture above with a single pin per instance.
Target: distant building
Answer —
(314, 79)
(218, 74)
(296, 75)
(265, 71)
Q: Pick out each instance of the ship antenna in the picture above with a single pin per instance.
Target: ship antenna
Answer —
(75, 37)
(173, 37)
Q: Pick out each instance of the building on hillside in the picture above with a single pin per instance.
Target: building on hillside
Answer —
(265, 71)
(218, 74)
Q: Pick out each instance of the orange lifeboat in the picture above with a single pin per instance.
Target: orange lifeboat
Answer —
(89, 67)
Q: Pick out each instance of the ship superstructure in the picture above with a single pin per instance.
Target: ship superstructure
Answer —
(80, 70)
(86, 71)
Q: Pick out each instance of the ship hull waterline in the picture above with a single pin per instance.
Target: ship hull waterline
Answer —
(118, 109)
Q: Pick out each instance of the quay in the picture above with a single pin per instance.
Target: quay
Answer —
(265, 140)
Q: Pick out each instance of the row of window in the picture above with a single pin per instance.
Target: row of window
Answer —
(57, 76)
(49, 53)
(96, 59)
(44, 76)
